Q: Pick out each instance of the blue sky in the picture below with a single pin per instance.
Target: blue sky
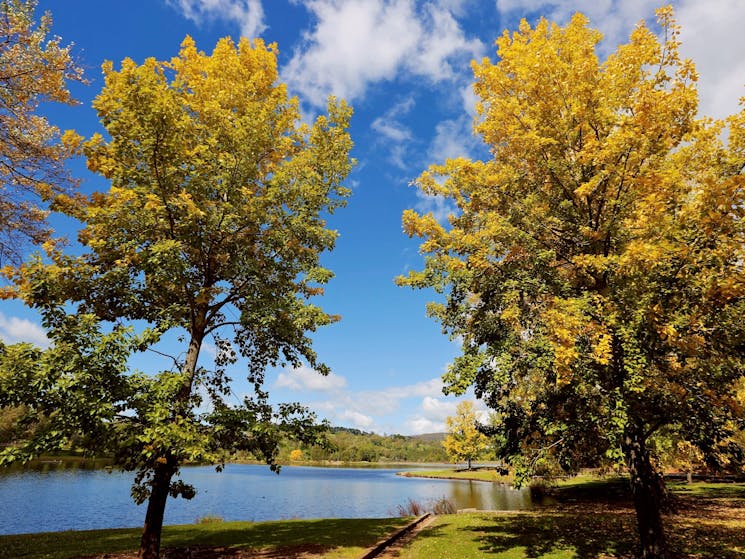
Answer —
(404, 67)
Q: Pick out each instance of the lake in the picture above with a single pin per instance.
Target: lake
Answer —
(76, 499)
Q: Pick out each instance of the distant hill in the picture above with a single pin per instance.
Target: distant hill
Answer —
(355, 445)
(430, 437)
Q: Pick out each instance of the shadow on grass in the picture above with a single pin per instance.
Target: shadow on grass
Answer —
(583, 536)
(326, 532)
(315, 536)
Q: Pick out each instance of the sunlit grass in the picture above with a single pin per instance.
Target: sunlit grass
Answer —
(481, 474)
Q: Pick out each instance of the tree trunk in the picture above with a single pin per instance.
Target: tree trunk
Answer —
(162, 474)
(648, 490)
(156, 508)
(190, 365)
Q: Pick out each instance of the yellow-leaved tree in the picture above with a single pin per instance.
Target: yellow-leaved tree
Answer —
(593, 266)
(464, 441)
(212, 229)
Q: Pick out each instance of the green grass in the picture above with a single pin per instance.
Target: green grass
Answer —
(592, 518)
(565, 535)
(524, 535)
(708, 490)
(338, 538)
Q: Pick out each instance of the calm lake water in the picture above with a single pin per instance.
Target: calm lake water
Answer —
(74, 499)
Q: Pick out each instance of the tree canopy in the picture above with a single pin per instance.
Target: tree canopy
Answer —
(593, 266)
(213, 227)
(34, 69)
(464, 441)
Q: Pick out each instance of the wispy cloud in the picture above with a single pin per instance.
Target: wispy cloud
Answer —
(440, 208)
(393, 135)
(373, 409)
(355, 43)
(14, 330)
(454, 138)
(356, 419)
(306, 379)
(432, 412)
(247, 14)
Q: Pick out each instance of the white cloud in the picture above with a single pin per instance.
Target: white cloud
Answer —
(304, 378)
(425, 388)
(393, 135)
(438, 206)
(14, 330)
(430, 417)
(358, 42)
(209, 349)
(357, 419)
(454, 138)
(712, 35)
(389, 125)
(373, 408)
(248, 14)
(422, 425)
(438, 408)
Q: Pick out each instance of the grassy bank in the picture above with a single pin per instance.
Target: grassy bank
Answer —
(332, 538)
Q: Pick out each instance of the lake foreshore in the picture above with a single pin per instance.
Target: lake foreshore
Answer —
(590, 519)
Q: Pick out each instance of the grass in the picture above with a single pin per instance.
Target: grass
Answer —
(522, 535)
(592, 519)
(335, 538)
(558, 535)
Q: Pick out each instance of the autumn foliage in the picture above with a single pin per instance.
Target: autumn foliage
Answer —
(593, 266)
(464, 441)
(34, 69)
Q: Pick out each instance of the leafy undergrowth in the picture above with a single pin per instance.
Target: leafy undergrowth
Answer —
(330, 538)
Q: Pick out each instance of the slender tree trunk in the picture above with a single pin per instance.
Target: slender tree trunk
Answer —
(648, 490)
(190, 366)
(156, 508)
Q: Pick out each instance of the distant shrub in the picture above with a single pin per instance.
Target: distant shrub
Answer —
(210, 519)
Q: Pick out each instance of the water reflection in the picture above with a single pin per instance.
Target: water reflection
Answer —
(55, 497)
(487, 496)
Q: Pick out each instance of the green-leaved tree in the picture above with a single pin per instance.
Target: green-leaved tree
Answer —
(212, 229)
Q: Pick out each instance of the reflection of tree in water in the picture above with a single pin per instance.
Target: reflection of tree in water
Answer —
(488, 496)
